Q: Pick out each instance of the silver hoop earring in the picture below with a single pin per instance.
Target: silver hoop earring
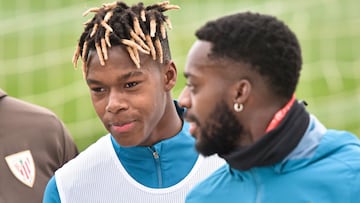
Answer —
(238, 107)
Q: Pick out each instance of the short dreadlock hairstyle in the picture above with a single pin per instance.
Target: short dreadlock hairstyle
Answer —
(137, 28)
(262, 41)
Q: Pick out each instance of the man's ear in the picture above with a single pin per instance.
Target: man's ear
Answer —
(170, 75)
(241, 91)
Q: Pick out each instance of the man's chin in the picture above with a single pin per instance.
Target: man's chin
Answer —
(204, 150)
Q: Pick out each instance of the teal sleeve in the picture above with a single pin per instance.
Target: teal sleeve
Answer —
(51, 194)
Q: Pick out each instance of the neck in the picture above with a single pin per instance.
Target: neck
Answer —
(267, 117)
(169, 125)
(260, 120)
(279, 115)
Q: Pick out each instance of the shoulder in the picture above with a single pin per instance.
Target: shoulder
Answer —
(209, 184)
(36, 121)
(94, 155)
(342, 146)
(89, 164)
(27, 121)
(31, 112)
(339, 142)
(29, 126)
(222, 170)
(22, 105)
(331, 144)
(214, 161)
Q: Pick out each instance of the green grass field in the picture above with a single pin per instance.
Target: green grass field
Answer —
(37, 40)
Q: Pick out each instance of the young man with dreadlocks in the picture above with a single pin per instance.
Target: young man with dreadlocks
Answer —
(148, 155)
(248, 65)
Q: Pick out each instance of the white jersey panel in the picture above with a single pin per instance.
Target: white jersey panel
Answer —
(97, 175)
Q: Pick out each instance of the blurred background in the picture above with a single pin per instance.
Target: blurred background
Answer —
(38, 38)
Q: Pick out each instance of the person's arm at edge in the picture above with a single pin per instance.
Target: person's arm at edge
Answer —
(51, 193)
(69, 148)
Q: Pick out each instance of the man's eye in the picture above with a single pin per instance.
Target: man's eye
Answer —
(98, 89)
(131, 84)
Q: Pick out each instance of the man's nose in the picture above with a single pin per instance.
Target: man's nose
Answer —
(117, 101)
(184, 98)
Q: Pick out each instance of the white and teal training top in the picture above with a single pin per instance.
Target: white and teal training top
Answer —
(107, 172)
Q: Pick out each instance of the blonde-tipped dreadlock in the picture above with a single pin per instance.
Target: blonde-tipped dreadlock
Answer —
(138, 28)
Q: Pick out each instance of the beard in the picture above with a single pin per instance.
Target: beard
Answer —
(220, 133)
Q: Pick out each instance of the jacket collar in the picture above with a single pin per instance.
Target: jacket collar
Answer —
(304, 152)
(316, 144)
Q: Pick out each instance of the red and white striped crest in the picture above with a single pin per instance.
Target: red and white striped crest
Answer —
(22, 166)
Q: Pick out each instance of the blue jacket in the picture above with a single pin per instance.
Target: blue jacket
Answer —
(152, 171)
(323, 168)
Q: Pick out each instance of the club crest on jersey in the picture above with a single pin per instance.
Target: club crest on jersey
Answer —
(22, 166)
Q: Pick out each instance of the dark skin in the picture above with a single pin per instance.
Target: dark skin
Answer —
(211, 81)
(134, 104)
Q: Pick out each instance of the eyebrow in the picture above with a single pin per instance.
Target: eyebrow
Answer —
(120, 78)
(130, 74)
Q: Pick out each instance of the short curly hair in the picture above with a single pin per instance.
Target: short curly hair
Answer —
(262, 41)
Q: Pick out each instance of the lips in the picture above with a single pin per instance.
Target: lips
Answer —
(192, 129)
(193, 123)
(122, 127)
